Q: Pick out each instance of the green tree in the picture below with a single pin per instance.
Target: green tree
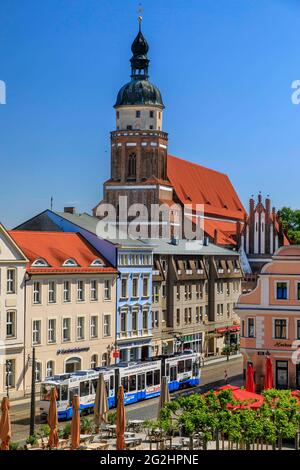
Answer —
(291, 220)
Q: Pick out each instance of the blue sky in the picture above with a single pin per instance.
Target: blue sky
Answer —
(224, 68)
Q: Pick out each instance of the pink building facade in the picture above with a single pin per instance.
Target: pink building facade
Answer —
(270, 320)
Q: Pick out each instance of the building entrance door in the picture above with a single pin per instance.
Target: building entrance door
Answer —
(282, 374)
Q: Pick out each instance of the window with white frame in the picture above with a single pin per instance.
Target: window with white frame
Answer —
(281, 290)
(10, 373)
(145, 319)
(94, 290)
(51, 330)
(145, 286)
(199, 314)
(80, 291)
(135, 281)
(94, 361)
(66, 291)
(155, 319)
(38, 371)
(80, 328)
(11, 281)
(107, 289)
(199, 290)
(52, 292)
(106, 325)
(11, 324)
(50, 369)
(66, 329)
(123, 321)
(298, 291)
(280, 328)
(178, 316)
(251, 327)
(298, 329)
(124, 287)
(155, 293)
(134, 320)
(228, 307)
(220, 287)
(36, 332)
(36, 292)
(94, 326)
(220, 309)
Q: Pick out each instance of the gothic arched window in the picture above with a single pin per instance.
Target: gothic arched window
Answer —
(132, 166)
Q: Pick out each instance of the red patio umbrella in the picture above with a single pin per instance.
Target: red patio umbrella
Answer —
(250, 384)
(269, 374)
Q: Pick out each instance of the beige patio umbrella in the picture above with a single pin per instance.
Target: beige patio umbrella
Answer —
(5, 425)
(53, 419)
(164, 394)
(101, 403)
(75, 424)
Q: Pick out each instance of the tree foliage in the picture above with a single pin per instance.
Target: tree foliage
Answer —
(277, 418)
(291, 220)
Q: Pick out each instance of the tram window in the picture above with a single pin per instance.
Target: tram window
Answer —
(173, 375)
(180, 367)
(107, 387)
(73, 392)
(141, 381)
(84, 388)
(111, 382)
(188, 365)
(124, 382)
(132, 383)
(195, 369)
(93, 385)
(167, 370)
(149, 379)
(64, 392)
(157, 377)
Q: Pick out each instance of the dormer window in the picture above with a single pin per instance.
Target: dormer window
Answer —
(40, 263)
(97, 262)
(70, 262)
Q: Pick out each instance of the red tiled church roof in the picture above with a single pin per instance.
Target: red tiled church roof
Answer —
(57, 247)
(195, 184)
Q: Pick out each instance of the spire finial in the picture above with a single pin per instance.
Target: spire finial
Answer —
(140, 18)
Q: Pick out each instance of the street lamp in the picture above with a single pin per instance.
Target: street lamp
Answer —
(32, 401)
(8, 372)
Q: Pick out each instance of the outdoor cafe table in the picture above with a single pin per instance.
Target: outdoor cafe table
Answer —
(135, 424)
(111, 429)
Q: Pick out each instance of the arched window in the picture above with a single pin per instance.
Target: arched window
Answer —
(94, 361)
(70, 262)
(40, 262)
(73, 364)
(97, 262)
(132, 166)
(50, 369)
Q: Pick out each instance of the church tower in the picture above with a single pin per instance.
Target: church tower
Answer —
(138, 145)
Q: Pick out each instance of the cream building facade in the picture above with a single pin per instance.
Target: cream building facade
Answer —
(70, 305)
(12, 278)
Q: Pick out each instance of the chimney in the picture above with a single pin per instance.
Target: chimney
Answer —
(69, 210)
(216, 237)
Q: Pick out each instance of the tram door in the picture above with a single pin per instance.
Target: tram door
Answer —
(141, 386)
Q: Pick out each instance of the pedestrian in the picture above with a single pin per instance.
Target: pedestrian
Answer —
(225, 377)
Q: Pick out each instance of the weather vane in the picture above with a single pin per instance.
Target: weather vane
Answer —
(140, 11)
